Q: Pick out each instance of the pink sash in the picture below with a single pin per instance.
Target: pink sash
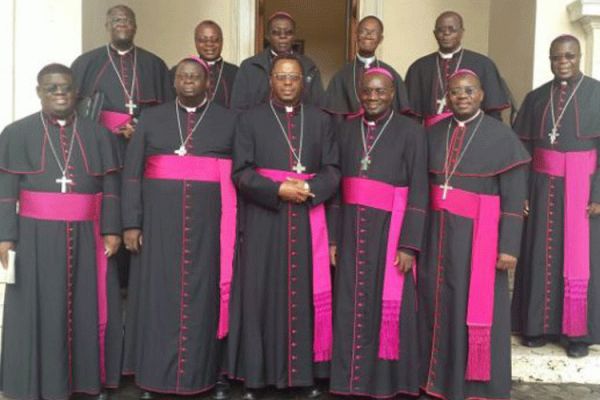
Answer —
(52, 206)
(112, 120)
(383, 196)
(207, 169)
(323, 329)
(434, 119)
(576, 168)
(484, 210)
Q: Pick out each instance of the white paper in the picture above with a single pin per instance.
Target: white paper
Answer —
(7, 275)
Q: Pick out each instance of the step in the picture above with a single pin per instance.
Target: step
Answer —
(550, 364)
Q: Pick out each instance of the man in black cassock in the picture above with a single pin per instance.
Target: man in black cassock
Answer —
(129, 77)
(177, 168)
(427, 78)
(61, 332)
(208, 38)
(342, 95)
(285, 167)
(477, 169)
(382, 155)
(557, 287)
(251, 85)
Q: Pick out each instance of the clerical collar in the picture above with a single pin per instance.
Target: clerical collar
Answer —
(121, 52)
(448, 56)
(213, 62)
(193, 109)
(62, 122)
(286, 107)
(467, 121)
(572, 81)
(274, 54)
(377, 120)
(367, 61)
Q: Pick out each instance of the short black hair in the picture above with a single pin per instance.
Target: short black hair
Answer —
(374, 18)
(121, 7)
(54, 68)
(565, 39)
(451, 14)
(287, 57)
(209, 22)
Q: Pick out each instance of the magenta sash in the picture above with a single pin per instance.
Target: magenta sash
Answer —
(383, 196)
(52, 206)
(484, 210)
(207, 169)
(434, 119)
(576, 168)
(323, 324)
(112, 120)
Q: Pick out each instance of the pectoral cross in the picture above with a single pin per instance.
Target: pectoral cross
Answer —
(364, 163)
(181, 151)
(130, 105)
(441, 103)
(553, 135)
(63, 183)
(299, 168)
(445, 187)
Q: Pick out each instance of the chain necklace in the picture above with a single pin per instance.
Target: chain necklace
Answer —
(441, 102)
(216, 87)
(553, 135)
(130, 105)
(63, 180)
(366, 160)
(181, 151)
(354, 77)
(298, 168)
(448, 174)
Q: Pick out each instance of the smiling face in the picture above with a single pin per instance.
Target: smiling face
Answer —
(286, 81)
(57, 94)
(281, 34)
(464, 96)
(448, 32)
(209, 42)
(565, 57)
(122, 27)
(190, 83)
(376, 95)
(368, 36)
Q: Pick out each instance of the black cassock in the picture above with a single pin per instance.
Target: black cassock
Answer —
(271, 328)
(50, 341)
(251, 86)
(342, 95)
(399, 159)
(93, 72)
(493, 164)
(426, 84)
(222, 75)
(173, 305)
(539, 285)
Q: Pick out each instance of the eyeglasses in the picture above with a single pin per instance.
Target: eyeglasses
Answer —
(282, 32)
(208, 40)
(468, 90)
(364, 33)
(122, 21)
(377, 91)
(446, 30)
(54, 89)
(566, 56)
(281, 77)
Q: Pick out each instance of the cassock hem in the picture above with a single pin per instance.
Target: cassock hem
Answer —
(174, 391)
(375, 396)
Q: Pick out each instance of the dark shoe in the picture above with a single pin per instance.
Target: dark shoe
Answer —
(145, 395)
(222, 389)
(577, 350)
(250, 394)
(313, 392)
(534, 341)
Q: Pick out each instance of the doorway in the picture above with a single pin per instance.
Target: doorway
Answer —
(324, 30)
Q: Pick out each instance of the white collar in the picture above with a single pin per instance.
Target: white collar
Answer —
(366, 60)
(61, 122)
(193, 109)
(211, 63)
(466, 121)
(448, 56)
(122, 52)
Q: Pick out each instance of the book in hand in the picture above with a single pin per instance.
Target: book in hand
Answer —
(7, 274)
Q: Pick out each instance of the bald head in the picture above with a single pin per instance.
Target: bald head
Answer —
(373, 19)
(565, 39)
(448, 31)
(208, 38)
(450, 14)
(565, 57)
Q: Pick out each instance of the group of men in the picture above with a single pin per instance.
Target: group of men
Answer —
(283, 235)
